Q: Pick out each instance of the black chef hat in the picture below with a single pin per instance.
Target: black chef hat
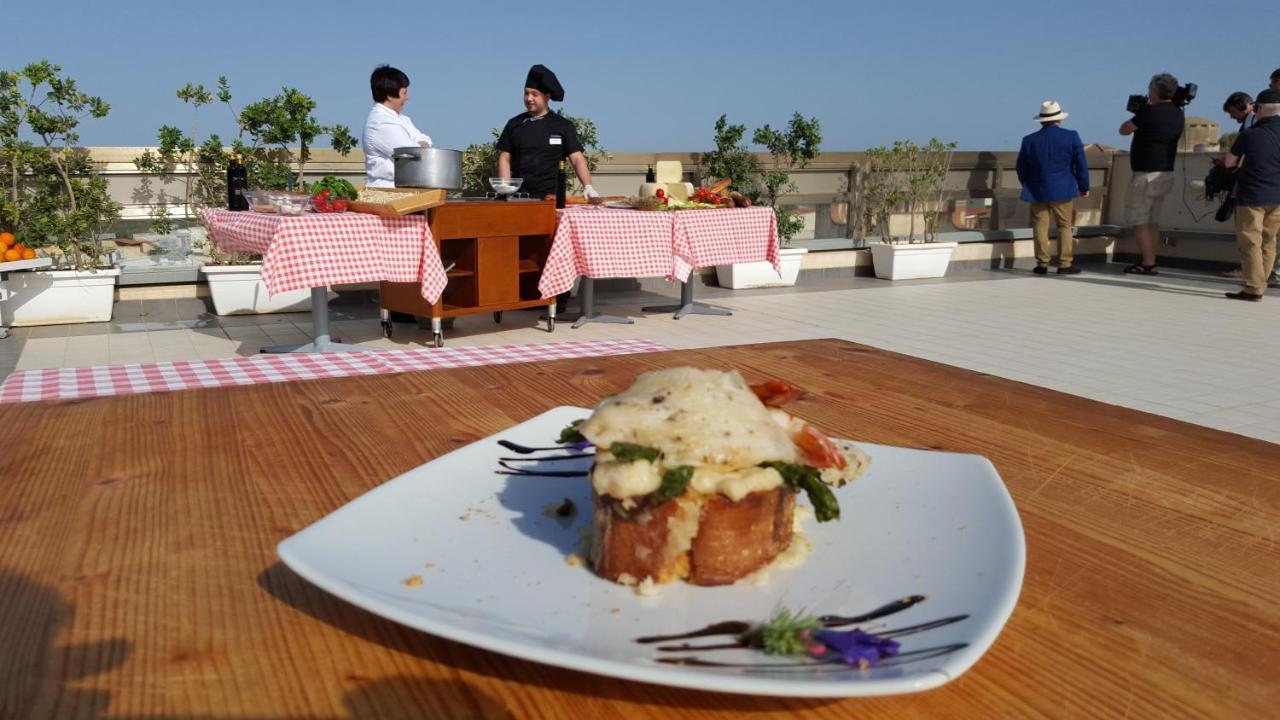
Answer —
(543, 80)
(1268, 97)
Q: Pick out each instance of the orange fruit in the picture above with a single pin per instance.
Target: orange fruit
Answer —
(7, 239)
(11, 255)
(28, 254)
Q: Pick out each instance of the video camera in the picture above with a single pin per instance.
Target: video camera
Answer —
(1221, 181)
(1181, 97)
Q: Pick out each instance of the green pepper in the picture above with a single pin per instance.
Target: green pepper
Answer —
(674, 483)
(630, 452)
(809, 479)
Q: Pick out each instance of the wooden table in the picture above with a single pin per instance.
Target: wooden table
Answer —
(494, 250)
(138, 575)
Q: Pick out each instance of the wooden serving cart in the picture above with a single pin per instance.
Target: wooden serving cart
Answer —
(493, 252)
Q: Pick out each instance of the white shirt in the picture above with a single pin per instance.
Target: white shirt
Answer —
(384, 131)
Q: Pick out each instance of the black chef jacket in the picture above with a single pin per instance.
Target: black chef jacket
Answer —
(537, 145)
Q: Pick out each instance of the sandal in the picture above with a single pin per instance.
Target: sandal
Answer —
(1140, 269)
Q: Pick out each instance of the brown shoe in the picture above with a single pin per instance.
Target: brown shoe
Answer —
(1041, 270)
(1242, 295)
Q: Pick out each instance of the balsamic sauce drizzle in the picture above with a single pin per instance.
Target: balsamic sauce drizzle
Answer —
(738, 628)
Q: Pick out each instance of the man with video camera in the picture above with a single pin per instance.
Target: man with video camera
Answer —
(1156, 127)
(1256, 152)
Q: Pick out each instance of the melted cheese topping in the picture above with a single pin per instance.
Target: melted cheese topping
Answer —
(694, 417)
(734, 484)
(624, 480)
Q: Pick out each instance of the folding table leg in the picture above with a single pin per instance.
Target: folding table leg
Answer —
(586, 300)
(320, 342)
(687, 306)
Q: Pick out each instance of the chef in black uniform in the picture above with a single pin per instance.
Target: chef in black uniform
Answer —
(534, 143)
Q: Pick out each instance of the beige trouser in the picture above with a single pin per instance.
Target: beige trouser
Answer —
(1061, 212)
(1256, 229)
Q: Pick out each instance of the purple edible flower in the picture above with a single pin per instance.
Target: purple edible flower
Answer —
(580, 445)
(858, 648)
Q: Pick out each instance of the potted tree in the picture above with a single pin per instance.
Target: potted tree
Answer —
(56, 200)
(792, 148)
(273, 125)
(901, 192)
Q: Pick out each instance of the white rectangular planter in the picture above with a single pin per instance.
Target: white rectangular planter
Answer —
(239, 290)
(911, 262)
(740, 276)
(59, 297)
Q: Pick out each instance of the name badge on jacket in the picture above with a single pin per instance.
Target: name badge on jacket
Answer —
(554, 140)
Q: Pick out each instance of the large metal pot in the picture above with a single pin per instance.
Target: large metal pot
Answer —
(426, 167)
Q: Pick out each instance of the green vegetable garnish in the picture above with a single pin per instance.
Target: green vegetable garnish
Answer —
(674, 482)
(808, 479)
(786, 633)
(630, 452)
(571, 434)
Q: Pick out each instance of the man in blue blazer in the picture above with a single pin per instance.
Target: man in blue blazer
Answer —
(1053, 170)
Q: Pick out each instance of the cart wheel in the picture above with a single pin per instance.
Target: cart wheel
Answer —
(4, 333)
(439, 340)
(497, 316)
(551, 324)
(387, 327)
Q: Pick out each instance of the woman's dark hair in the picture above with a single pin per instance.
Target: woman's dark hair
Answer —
(386, 81)
(1238, 101)
(1275, 74)
(1165, 85)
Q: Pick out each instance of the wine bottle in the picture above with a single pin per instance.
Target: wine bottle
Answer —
(650, 175)
(237, 183)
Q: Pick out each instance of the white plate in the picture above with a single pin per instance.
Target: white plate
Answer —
(494, 571)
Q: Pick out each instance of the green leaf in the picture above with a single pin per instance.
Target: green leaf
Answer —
(571, 434)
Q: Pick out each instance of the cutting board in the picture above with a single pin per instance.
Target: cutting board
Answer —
(417, 202)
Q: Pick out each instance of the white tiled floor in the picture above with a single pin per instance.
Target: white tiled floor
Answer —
(1169, 345)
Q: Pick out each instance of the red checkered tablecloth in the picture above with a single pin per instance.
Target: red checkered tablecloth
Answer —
(600, 242)
(106, 380)
(321, 249)
(706, 238)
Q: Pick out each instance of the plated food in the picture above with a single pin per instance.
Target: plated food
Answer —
(696, 476)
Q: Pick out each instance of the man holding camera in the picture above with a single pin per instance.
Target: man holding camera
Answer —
(1156, 127)
(1053, 170)
(1256, 152)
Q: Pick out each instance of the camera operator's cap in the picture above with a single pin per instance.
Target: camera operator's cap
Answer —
(1050, 111)
(1268, 97)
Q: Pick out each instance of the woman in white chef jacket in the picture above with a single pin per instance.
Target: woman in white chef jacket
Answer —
(387, 127)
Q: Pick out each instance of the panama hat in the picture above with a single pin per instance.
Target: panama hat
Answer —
(1050, 111)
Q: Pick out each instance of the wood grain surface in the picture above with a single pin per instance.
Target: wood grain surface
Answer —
(138, 576)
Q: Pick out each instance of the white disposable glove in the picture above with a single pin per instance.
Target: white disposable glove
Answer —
(425, 142)
(590, 193)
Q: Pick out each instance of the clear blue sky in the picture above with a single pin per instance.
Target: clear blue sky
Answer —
(656, 75)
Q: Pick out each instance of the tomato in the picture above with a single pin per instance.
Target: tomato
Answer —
(339, 205)
(818, 448)
(776, 393)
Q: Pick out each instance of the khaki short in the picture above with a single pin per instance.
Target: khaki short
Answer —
(1146, 195)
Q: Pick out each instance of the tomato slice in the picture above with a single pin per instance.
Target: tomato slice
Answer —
(776, 393)
(818, 448)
